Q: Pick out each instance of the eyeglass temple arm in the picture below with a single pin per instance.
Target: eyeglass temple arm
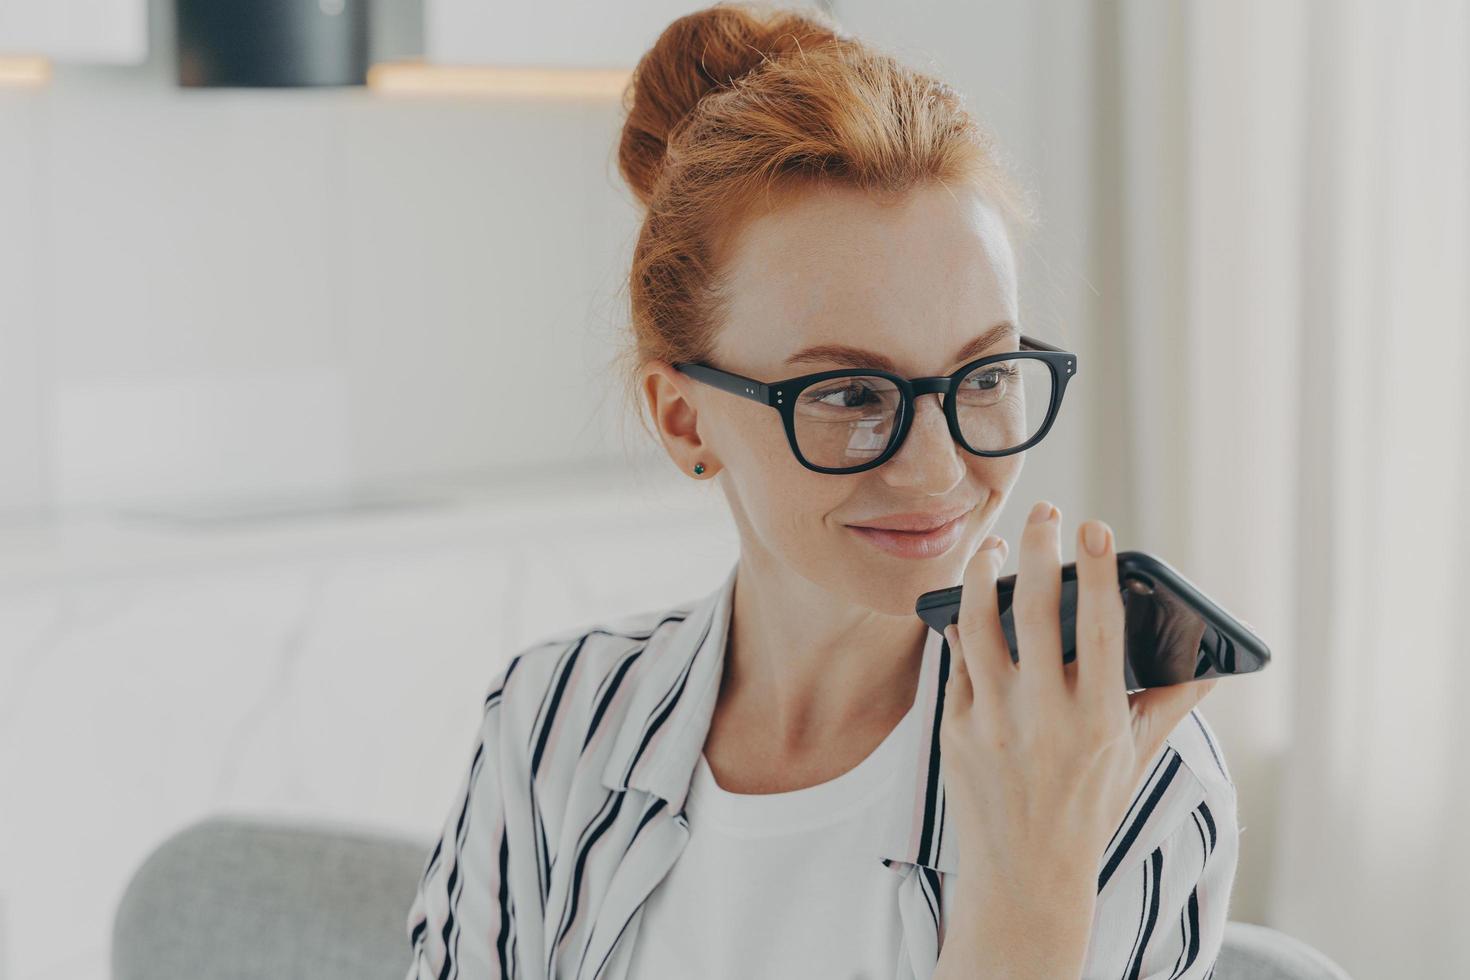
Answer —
(735, 384)
(1035, 344)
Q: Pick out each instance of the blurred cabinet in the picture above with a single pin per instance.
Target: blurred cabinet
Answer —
(86, 31)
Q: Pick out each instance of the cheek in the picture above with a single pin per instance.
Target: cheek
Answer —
(754, 438)
(786, 502)
(804, 502)
(783, 499)
(998, 475)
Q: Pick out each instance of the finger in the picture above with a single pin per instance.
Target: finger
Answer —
(1157, 711)
(982, 640)
(1100, 618)
(958, 689)
(1037, 603)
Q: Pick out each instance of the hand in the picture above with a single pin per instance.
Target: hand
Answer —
(1042, 758)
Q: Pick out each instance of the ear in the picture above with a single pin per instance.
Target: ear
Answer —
(671, 402)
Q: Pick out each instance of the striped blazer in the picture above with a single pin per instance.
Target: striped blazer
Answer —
(572, 810)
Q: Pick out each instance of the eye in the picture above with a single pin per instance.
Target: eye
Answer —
(852, 394)
(989, 377)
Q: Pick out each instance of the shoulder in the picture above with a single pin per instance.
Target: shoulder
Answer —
(1186, 785)
(1165, 889)
(1212, 815)
(556, 711)
(1204, 789)
(563, 677)
(1202, 754)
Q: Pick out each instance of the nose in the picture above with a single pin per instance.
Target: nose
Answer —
(928, 460)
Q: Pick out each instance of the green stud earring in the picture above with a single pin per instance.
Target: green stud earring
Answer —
(698, 468)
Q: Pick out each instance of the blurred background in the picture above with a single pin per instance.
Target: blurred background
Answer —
(282, 287)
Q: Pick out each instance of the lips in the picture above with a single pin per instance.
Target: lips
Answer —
(915, 544)
(917, 522)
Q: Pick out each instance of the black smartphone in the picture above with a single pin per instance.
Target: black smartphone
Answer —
(1173, 631)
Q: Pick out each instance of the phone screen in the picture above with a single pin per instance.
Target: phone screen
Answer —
(1173, 632)
(1166, 641)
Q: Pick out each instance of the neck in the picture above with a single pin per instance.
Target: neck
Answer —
(804, 664)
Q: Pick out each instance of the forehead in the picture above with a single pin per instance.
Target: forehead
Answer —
(915, 275)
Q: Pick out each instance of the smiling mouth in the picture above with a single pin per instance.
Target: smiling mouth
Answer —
(912, 530)
(913, 534)
(914, 544)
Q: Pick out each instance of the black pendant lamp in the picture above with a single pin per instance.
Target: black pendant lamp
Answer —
(272, 43)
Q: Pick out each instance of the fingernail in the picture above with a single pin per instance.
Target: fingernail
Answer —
(1041, 512)
(993, 541)
(1095, 538)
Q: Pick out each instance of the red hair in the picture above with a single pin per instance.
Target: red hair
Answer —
(743, 100)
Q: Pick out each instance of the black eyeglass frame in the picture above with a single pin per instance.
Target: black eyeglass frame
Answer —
(781, 395)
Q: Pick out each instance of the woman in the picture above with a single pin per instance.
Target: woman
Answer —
(749, 784)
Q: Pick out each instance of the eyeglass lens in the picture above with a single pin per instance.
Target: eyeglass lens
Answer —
(845, 422)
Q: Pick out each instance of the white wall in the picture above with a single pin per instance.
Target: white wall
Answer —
(211, 293)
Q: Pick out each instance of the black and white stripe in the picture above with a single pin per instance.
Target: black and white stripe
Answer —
(1153, 872)
(593, 748)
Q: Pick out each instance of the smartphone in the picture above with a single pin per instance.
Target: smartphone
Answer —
(1173, 632)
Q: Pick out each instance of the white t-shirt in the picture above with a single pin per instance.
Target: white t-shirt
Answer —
(837, 915)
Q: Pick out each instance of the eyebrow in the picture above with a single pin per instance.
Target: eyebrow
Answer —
(858, 357)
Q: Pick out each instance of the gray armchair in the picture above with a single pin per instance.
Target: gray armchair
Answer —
(241, 898)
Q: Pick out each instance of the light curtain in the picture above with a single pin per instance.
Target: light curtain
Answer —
(1292, 253)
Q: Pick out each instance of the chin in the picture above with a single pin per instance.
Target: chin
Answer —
(893, 585)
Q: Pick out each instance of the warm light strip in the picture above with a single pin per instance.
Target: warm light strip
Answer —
(420, 78)
(24, 70)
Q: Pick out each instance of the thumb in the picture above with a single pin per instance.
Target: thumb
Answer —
(1157, 711)
(959, 671)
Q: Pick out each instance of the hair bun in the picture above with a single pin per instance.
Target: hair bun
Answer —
(696, 54)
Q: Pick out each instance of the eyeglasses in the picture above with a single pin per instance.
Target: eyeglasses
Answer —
(853, 419)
